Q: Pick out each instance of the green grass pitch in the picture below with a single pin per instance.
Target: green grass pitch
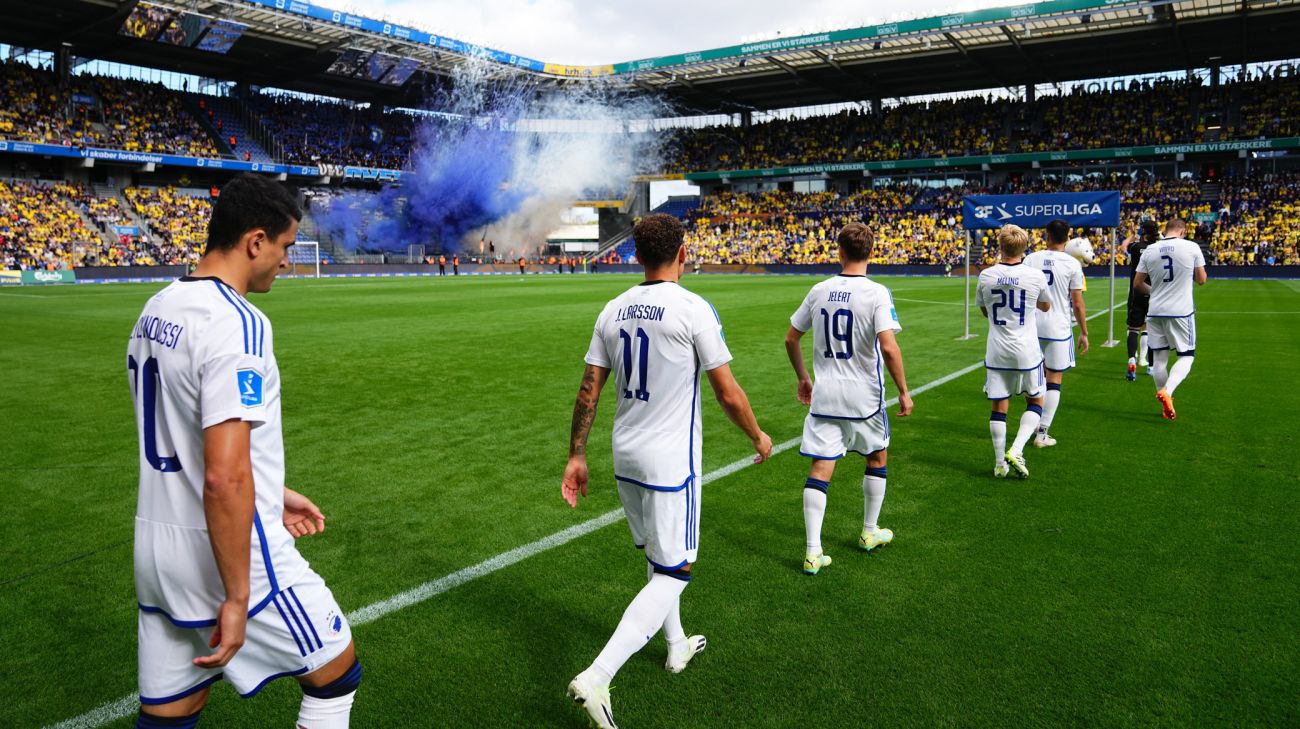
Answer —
(1147, 574)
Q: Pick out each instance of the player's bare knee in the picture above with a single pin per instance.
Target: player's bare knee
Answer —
(182, 713)
(879, 459)
(822, 470)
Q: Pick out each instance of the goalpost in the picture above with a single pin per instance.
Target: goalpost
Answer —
(304, 259)
(1079, 209)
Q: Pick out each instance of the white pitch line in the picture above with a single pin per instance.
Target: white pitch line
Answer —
(128, 705)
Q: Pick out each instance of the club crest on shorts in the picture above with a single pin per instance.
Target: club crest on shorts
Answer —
(334, 623)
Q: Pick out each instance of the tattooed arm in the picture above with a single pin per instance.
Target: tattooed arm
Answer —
(584, 414)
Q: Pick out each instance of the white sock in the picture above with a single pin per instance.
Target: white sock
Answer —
(1160, 368)
(1178, 373)
(814, 509)
(998, 427)
(1050, 402)
(1028, 424)
(873, 493)
(673, 631)
(325, 713)
(642, 619)
(1144, 349)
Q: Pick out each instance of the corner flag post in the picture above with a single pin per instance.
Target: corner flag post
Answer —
(966, 302)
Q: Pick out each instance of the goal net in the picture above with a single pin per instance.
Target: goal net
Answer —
(304, 259)
(415, 253)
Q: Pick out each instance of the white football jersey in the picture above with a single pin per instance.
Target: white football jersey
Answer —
(200, 354)
(846, 314)
(656, 337)
(1064, 274)
(1010, 293)
(1170, 265)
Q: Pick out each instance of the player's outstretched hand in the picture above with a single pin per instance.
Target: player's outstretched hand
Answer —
(805, 392)
(301, 516)
(904, 405)
(228, 637)
(1083, 344)
(762, 446)
(574, 481)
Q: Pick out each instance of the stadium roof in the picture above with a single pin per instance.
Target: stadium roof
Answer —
(293, 44)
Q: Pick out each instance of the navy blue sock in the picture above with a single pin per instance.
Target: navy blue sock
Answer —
(341, 686)
(149, 721)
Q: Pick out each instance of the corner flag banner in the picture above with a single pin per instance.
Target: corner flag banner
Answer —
(1079, 209)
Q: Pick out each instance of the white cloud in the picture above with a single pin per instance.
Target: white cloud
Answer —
(590, 32)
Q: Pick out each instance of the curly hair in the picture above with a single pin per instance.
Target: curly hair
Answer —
(658, 237)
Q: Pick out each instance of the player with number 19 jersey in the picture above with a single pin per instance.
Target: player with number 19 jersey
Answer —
(1013, 358)
(846, 314)
(657, 338)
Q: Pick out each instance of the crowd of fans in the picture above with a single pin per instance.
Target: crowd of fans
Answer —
(91, 111)
(108, 112)
(312, 132)
(1145, 112)
(40, 227)
(921, 225)
(178, 220)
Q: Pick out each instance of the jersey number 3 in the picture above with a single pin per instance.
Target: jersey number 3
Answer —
(145, 384)
(643, 358)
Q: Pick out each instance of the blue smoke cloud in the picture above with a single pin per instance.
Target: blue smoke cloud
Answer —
(475, 164)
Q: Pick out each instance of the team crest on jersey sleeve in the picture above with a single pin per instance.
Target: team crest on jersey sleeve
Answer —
(250, 387)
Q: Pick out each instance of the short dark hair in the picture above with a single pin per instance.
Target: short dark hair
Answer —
(1057, 231)
(1149, 231)
(249, 202)
(856, 240)
(658, 237)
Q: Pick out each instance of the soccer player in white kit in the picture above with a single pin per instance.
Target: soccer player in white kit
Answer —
(1055, 334)
(215, 563)
(853, 321)
(1009, 295)
(1166, 272)
(656, 337)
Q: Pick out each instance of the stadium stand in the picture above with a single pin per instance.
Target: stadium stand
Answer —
(313, 131)
(96, 111)
(178, 220)
(1148, 112)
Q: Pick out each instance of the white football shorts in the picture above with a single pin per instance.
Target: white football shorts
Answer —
(1004, 384)
(829, 439)
(1058, 355)
(1178, 334)
(665, 523)
(298, 631)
